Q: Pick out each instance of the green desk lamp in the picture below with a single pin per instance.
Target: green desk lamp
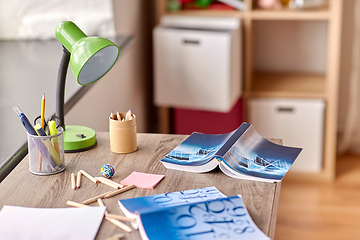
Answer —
(90, 58)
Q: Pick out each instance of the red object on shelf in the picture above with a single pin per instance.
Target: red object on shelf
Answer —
(220, 6)
(187, 121)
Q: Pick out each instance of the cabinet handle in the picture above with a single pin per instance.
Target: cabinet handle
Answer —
(285, 109)
(196, 42)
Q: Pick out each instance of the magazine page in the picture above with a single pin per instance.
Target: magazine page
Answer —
(196, 153)
(254, 157)
(225, 218)
(134, 206)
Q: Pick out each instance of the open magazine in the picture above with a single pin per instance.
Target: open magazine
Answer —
(197, 214)
(242, 153)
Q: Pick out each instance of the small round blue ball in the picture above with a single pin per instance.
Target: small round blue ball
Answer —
(107, 170)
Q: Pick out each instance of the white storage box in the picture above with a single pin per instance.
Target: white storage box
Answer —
(197, 63)
(298, 122)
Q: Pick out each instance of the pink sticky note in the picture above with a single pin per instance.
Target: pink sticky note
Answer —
(142, 180)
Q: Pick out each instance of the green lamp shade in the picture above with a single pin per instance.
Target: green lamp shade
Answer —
(91, 57)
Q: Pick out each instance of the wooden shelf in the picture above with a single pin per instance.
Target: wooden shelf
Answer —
(321, 14)
(210, 13)
(289, 14)
(302, 85)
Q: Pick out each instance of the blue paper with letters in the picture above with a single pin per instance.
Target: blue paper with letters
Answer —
(142, 204)
(223, 218)
(134, 206)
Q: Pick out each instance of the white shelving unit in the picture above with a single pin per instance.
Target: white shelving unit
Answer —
(281, 84)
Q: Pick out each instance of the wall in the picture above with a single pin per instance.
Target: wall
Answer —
(129, 83)
(346, 58)
(290, 46)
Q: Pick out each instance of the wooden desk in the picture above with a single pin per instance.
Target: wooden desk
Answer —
(21, 188)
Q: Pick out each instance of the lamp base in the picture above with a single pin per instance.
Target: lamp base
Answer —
(78, 138)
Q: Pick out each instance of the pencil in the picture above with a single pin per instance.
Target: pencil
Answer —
(53, 131)
(128, 115)
(78, 179)
(119, 191)
(114, 221)
(119, 224)
(42, 123)
(75, 204)
(118, 116)
(121, 218)
(101, 203)
(73, 181)
(94, 199)
(116, 237)
(107, 183)
(42, 119)
(110, 181)
(89, 176)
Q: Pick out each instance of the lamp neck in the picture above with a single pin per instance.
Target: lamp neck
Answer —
(68, 34)
(60, 88)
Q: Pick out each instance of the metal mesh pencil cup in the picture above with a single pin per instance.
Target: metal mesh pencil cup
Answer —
(46, 153)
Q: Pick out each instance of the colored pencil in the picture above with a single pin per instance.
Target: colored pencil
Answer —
(94, 199)
(116, 192)
(89, 176)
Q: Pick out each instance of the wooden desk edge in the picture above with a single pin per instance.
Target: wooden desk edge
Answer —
(273, 217)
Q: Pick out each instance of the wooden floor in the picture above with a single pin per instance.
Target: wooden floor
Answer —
(322, 210)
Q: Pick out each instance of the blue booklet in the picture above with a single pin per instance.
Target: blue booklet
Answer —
(223, 218)
(242, 153)
(133, 207)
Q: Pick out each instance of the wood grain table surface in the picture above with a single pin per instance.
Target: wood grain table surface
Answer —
(22, 188)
